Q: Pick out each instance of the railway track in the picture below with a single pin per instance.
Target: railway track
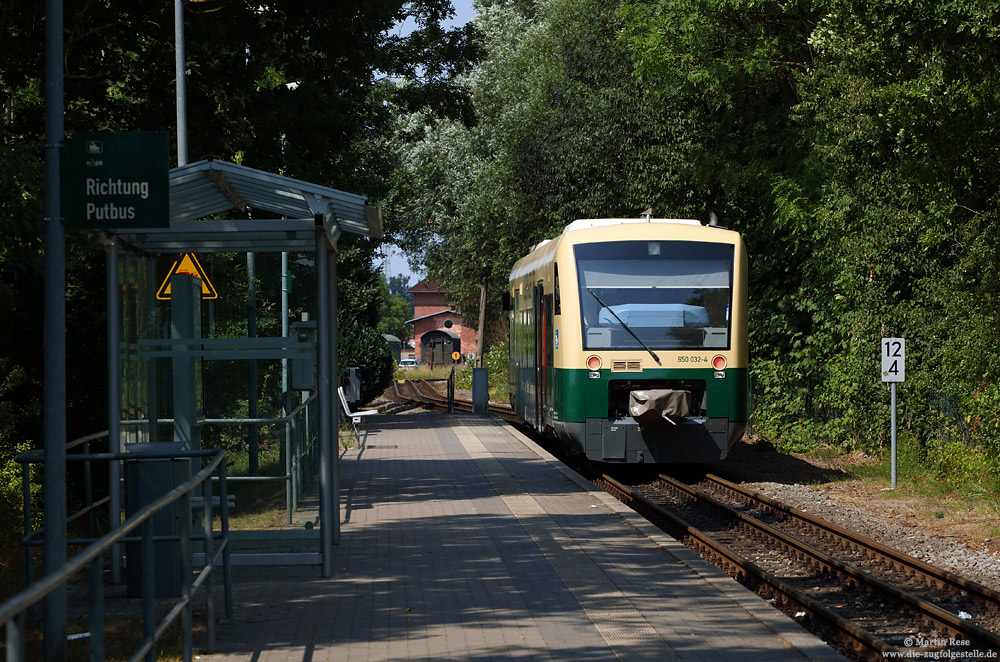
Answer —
(425, 393)
(864, 597)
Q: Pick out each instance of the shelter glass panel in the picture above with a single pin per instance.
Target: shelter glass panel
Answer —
(134, 273)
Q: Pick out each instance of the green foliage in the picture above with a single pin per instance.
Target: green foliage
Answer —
(959, 465)
(395, 311)
(496, 360)
(867, 130)
(11, 491)
(296, 88)
(361, 346)
(853, 145)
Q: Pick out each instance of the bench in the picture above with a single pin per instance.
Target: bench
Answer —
(356, 416)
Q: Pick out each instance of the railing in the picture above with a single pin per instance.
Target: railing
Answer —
(301, 453)
(13, 613)
(90, 506)
(301, 462)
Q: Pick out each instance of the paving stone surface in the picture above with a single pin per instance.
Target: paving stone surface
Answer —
(461, 540)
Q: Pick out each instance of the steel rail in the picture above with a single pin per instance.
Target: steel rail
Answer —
(904, 562)
(435, 399)
(942, 618)
(848, 633)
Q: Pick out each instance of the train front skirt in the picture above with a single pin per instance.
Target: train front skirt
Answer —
(691, 440)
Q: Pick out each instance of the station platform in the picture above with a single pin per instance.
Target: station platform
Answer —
(463, 540)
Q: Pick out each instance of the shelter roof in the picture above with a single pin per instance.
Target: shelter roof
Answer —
(210, 187)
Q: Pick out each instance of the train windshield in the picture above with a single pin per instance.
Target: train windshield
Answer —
(669, 294)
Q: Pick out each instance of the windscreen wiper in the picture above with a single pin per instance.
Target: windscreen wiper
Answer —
(625, 326)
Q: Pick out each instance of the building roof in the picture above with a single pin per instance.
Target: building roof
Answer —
(423, 317)
(425, 287)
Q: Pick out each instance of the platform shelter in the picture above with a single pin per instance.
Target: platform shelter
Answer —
(269, 213)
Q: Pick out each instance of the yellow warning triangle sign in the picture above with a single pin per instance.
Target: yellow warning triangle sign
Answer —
(188, 264)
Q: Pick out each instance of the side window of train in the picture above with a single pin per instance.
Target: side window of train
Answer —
(558, 305)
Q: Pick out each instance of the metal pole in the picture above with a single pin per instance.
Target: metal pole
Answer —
(185, 549)
(54, 335)
(254, 435)
(481, 337)
(286, 396)
(451, 391)
(96, 595)
(334, 400)
(114, 401)
(153, 380)
(181, 83)
(206, 527)
(148, 574)
(323, 399)
(185, 323)
(892, 389)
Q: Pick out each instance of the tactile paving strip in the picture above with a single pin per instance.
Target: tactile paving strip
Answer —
(620, 624)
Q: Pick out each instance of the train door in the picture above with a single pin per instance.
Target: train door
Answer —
(539, 342)
(542, 330)
(553, 308)
(526, 339)
(543, 353)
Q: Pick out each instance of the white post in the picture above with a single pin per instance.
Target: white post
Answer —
(892, 388)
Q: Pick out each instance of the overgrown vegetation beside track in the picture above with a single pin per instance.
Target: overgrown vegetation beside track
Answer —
(495, 361)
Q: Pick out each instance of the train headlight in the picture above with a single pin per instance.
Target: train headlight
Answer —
(594, 363)
(719, 362)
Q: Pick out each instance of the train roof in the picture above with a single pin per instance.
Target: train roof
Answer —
(544, 251)
(587, 223)
(584, 223)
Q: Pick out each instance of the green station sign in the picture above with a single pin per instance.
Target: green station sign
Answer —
(116, 180)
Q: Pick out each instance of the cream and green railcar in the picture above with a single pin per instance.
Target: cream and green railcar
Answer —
(628, 339)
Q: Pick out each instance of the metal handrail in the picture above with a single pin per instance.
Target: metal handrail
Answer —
(90, 507)
(299, 456)
(13, 610)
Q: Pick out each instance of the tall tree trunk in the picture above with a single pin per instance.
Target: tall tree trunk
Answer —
(482, 325)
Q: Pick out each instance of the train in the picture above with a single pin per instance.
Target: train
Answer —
(628, 339)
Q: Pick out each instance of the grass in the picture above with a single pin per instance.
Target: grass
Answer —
(122, 638)
(423, 372)
(261, 505)
(923, 483)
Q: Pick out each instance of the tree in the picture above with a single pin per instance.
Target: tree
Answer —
(395, 311)
(297, 87)
(562, 132)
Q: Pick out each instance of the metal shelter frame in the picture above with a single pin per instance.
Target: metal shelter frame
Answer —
(313, 218)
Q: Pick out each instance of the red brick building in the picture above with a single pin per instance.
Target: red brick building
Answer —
(438, 329)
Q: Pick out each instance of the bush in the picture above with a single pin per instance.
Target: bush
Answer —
(362, 347)
(496, 361)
